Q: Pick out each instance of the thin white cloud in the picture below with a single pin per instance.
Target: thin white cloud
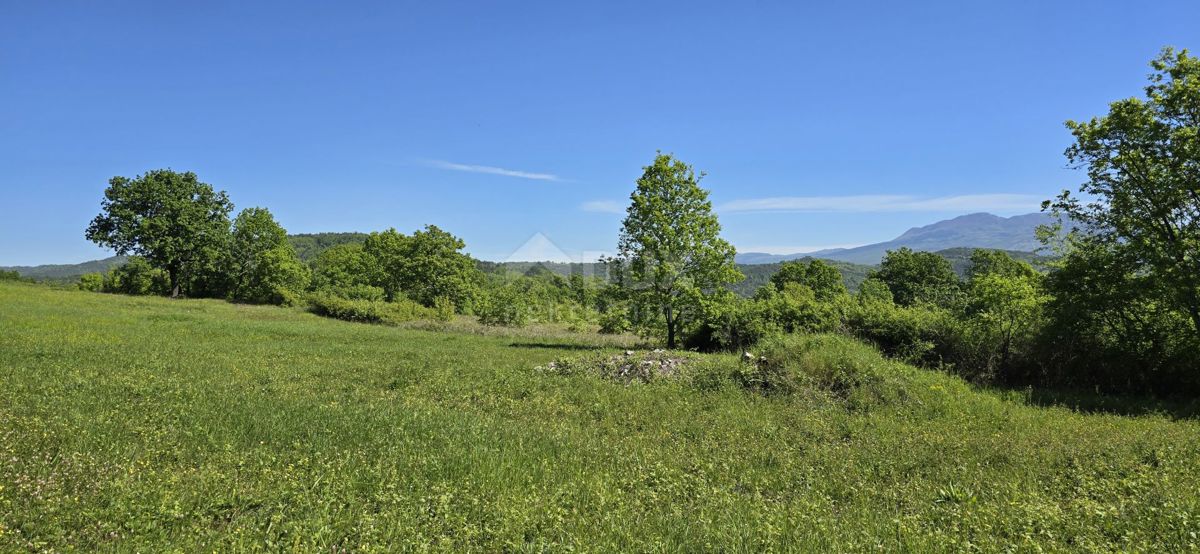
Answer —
(887, 203)
(490, 170)
(603, 207)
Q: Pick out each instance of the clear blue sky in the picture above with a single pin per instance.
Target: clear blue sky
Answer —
(499, 120)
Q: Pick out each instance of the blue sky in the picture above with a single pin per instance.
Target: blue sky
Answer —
(819, 125)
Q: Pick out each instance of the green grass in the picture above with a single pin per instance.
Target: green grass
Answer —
(145, 424)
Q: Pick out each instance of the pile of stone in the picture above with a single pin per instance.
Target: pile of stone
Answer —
(626, 367)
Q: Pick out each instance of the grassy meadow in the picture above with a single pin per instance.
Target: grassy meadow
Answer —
(148, 424)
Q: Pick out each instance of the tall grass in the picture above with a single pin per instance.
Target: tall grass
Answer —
(145, 424)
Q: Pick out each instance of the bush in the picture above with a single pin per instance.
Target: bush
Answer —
(845, 368)
(614, 321)
(137, 277)
(504, 306)
(922, 335)
(368, 311)
(443, 308)
(353, 292)
(273, 276)
(730, 323)
(92, 282)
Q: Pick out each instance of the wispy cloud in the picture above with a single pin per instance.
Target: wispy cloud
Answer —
(887, 203)
(490, 170)
(603, 207)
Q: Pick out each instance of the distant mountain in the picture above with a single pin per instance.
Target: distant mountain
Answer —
(307, 246)
(980, 230)
(66, 272)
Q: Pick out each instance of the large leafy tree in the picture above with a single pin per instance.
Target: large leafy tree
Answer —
(173, 220)
(915, 277)
(263, 265)
(1005, 304)
(670, 253)
(1142, 194)
(343, 266)
(825, 280)
(425, 266)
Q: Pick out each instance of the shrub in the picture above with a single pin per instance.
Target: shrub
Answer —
(845, 368)
(368, 311)
(504, 306)
(731, 323)
(443, 308)
(614, 321)
(353, 292)
(271, 276)
(92, 282)
(922, 335)
(138, 277)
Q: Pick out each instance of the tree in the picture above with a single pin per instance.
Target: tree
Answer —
(670, 253)
(1142, 193)
(344, 266)
(917, 277)
(263, 265)
(1006, 301)
(987, 262)
(824, 279)
(423, 267)
(174, 221)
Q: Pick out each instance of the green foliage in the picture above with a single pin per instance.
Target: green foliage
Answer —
(1109, 327)
(1004, 313)
(91, 282)
(843, 367)
(1143, 162)
(824, 280)
(874, 290)
(503, 306)
(353, 292)
(670, 253)
(923, 334)
(263, 266)
(172, 220)
(136, 276)
(427, 265)
(732, 323)
(615, 320)
(10, 275)
(396, 311)
(344, 266)
(916, 277)
(443, 308)
(998, 262)
(310, 245)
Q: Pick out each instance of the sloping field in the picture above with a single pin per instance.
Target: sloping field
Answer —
(149, 424)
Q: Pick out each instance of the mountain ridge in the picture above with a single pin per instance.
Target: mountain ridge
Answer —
(974, 230)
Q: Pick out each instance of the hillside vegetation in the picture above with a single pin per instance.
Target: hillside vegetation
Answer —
(148, 424)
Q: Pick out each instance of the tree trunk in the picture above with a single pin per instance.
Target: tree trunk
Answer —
(670, 327)
(173, 275)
